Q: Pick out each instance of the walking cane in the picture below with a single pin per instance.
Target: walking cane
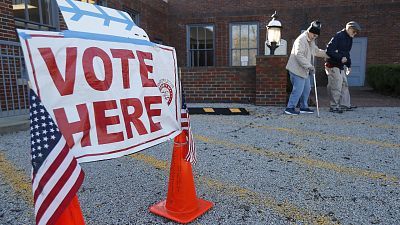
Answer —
(316, 93)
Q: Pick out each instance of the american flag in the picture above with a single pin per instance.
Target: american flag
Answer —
(185, 124)
(56, 174)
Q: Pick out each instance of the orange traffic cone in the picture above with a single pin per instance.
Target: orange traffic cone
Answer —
(182, 204)
(72, 215)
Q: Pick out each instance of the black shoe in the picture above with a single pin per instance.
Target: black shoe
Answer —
(291, 111)
(345, 108)
(306, 110)
(335, 110)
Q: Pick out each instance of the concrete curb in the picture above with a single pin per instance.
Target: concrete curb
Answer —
(14, 124)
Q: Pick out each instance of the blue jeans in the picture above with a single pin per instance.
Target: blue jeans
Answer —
(300, 91)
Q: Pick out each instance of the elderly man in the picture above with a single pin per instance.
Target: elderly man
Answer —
(338, 66)
(299, 67)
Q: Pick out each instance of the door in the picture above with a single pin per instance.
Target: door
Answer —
(358, 56)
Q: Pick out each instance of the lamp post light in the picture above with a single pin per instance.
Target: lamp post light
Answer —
(274, 28)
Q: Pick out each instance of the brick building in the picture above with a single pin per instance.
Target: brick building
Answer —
(219, 43)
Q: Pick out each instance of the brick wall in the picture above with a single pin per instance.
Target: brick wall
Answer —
(378, 18)
(219, 84)
(271, 79)
(7, 24)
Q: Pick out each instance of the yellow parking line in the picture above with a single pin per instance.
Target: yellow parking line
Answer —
(304, 160)
(284, 208)
(17, 179)
(330, 136)
(335, 121)
(302, 133)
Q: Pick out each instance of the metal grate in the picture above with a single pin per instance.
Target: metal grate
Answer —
(13, 80)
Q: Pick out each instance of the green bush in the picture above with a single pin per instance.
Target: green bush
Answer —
(384, 78)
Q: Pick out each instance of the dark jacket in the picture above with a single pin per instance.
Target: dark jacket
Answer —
(339, 46)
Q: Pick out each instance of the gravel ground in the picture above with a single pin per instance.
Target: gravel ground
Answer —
(265, 168)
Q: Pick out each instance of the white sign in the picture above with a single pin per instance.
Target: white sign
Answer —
(109, 95)
(91, 18)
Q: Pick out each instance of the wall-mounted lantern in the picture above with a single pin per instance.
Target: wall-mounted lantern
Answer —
(274, 28)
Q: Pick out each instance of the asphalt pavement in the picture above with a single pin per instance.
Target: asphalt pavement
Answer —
(264, 168)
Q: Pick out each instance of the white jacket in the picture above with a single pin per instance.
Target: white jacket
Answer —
(300, 57)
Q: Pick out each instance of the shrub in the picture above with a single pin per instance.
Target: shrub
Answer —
(384, 78)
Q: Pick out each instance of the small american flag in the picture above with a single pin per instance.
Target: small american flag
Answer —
(56, 174)
(185, 124)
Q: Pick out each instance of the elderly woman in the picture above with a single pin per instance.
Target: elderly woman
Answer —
(300, 67)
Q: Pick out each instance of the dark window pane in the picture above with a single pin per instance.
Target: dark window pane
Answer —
(193, 38)
(132, 13)
(195, 60)
(33, 11)
(46, 9)
(209, 38)
(103, 3)
(135, 17)
(210, 57)
(201, 45)
(19, 9)
(201, 37)
(202, 58)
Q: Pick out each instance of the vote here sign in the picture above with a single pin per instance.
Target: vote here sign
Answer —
(108, 95)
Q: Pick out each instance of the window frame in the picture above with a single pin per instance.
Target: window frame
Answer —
(54, 24)
(231, 24)
(188, 49)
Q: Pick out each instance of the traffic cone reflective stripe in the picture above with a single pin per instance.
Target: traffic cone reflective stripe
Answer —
(182, 204)
(72, 215)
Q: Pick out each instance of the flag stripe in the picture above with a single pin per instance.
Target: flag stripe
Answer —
(65, 200)
(45, 166)
(49, 172)
(52, 181)
(185, 126)
(50, 198)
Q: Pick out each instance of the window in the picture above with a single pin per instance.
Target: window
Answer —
(36, 14)
(243, 44)
(134, 15)
(102, 3)
(200, 42)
